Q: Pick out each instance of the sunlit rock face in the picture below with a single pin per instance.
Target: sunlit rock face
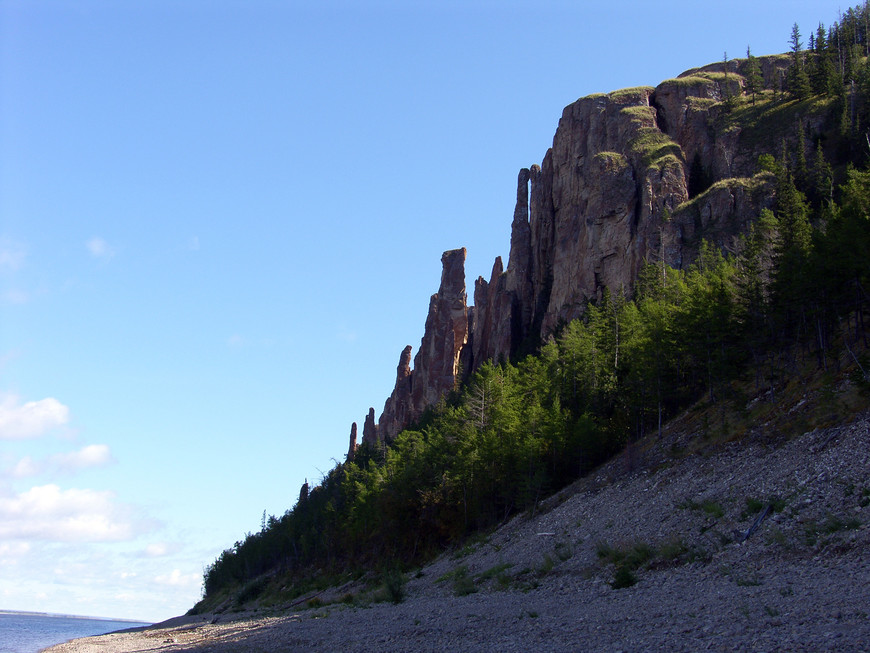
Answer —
(397, 409)
(437, 363)
(351, 450)
(370, 430)
(613, 193)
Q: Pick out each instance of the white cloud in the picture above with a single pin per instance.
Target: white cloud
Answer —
(13, 550)
(25, 468)
(51, 514)
(177, 579)
(93, 455)
(12, 254)
(99, 248)
(29, 420)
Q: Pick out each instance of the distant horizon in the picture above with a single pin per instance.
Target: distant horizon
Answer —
(31, 613)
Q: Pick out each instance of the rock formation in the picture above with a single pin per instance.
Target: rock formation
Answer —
(398, 406)
(370, 430)
(437, 362)
(351, 450)
(612, 193)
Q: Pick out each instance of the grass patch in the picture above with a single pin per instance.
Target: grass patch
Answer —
(701, 103)
(672, 550)
(472, 545)
(626, 560)
(830, 526)
(632, 556)
(494, 572)
(462, 570)
(754, 506)
(709, 507)
(652, 145)
(633, 92)
(834, 524)
(696, 79)
(640, 114)
(749, 184)
(463, 584)
(612, 161)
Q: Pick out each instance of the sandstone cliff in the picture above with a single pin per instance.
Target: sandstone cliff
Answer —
(633, 176)
(437, 363)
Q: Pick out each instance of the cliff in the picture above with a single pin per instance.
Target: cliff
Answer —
(633, 176)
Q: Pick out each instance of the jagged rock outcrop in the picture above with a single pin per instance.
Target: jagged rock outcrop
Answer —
(351, 450)
(371, 436)
(437, 363)
(397, 409)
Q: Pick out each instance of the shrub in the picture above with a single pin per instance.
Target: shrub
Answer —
(623, 578)
(394, 586)
(463, 584)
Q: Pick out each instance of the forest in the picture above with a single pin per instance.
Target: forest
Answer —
(734, 324)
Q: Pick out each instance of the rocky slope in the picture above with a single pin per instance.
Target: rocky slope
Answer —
(635, 175)
(548, 581)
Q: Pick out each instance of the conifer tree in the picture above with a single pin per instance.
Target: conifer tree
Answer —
(754, 81)
(823, 74)
(823, 177)
(798, 80)
(801, 175)
(792, 251)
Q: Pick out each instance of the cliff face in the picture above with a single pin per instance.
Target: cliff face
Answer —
(612, 193)
(437, 363)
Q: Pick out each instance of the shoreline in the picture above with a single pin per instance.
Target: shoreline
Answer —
(59, 615)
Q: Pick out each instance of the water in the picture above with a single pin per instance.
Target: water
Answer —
(29, 633)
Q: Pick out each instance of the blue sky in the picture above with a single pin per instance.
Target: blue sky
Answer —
(221, 222)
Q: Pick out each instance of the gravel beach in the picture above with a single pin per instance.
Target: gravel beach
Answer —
(676, 524)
